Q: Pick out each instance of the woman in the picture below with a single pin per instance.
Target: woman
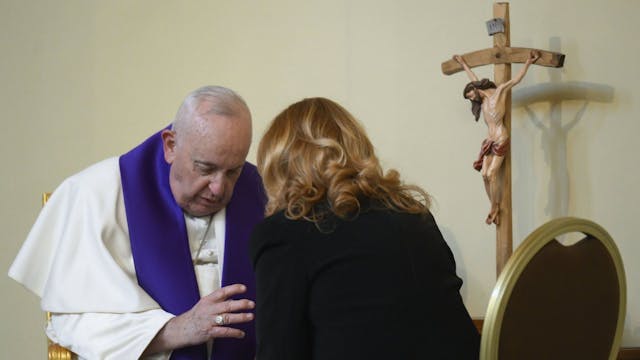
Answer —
(349, 262)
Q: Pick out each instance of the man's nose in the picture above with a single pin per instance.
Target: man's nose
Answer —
(216, 185)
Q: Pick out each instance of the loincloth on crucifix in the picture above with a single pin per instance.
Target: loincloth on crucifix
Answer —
(491, 147)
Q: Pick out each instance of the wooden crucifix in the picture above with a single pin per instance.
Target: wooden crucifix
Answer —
(497, 150)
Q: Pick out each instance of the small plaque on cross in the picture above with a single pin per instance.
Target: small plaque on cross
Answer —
(495, 26)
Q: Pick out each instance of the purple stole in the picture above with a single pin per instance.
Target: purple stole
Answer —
(160, 246)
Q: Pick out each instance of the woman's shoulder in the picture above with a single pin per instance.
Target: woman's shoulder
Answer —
(387, 216)
(276, 232)
(275, 222)
(276, 228)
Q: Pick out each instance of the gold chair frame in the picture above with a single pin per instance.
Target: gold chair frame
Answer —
(506, 282)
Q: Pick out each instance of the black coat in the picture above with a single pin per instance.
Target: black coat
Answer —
(381, 286)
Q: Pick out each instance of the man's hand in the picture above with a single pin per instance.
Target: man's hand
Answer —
(199, 324)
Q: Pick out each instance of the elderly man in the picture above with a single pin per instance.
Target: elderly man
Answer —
(145, 255)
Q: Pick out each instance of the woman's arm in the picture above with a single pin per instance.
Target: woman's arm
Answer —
(282, 324)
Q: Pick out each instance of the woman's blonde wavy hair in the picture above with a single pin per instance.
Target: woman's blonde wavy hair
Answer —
(315, 155)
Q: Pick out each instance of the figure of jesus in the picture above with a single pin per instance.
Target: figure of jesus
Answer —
(485, 96)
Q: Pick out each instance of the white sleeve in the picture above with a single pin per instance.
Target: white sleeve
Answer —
(108, 336)
(77, 256)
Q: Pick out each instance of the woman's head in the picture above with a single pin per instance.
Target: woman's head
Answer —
(316, 153)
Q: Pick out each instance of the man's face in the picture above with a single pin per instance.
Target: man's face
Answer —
(206, 162)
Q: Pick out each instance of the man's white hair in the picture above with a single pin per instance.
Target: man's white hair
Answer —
(224, 101)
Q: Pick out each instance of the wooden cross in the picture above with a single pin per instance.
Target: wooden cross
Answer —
(501, 55)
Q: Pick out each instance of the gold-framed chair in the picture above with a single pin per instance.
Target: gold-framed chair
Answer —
(55, 351)
(553, 301)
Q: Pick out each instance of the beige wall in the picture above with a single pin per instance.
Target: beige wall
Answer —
(83, 80)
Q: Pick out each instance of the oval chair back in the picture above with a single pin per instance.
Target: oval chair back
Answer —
(553, 301)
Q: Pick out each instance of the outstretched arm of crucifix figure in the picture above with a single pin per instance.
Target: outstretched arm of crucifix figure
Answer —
(504, 88)
(472, 76)
(533, 57)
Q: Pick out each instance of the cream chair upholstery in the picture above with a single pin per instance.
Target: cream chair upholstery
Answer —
(55, 351)
(553, 301)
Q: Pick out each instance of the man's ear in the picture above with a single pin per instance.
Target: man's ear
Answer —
(169, 145)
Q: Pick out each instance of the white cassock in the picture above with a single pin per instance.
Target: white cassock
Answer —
(77, 258)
